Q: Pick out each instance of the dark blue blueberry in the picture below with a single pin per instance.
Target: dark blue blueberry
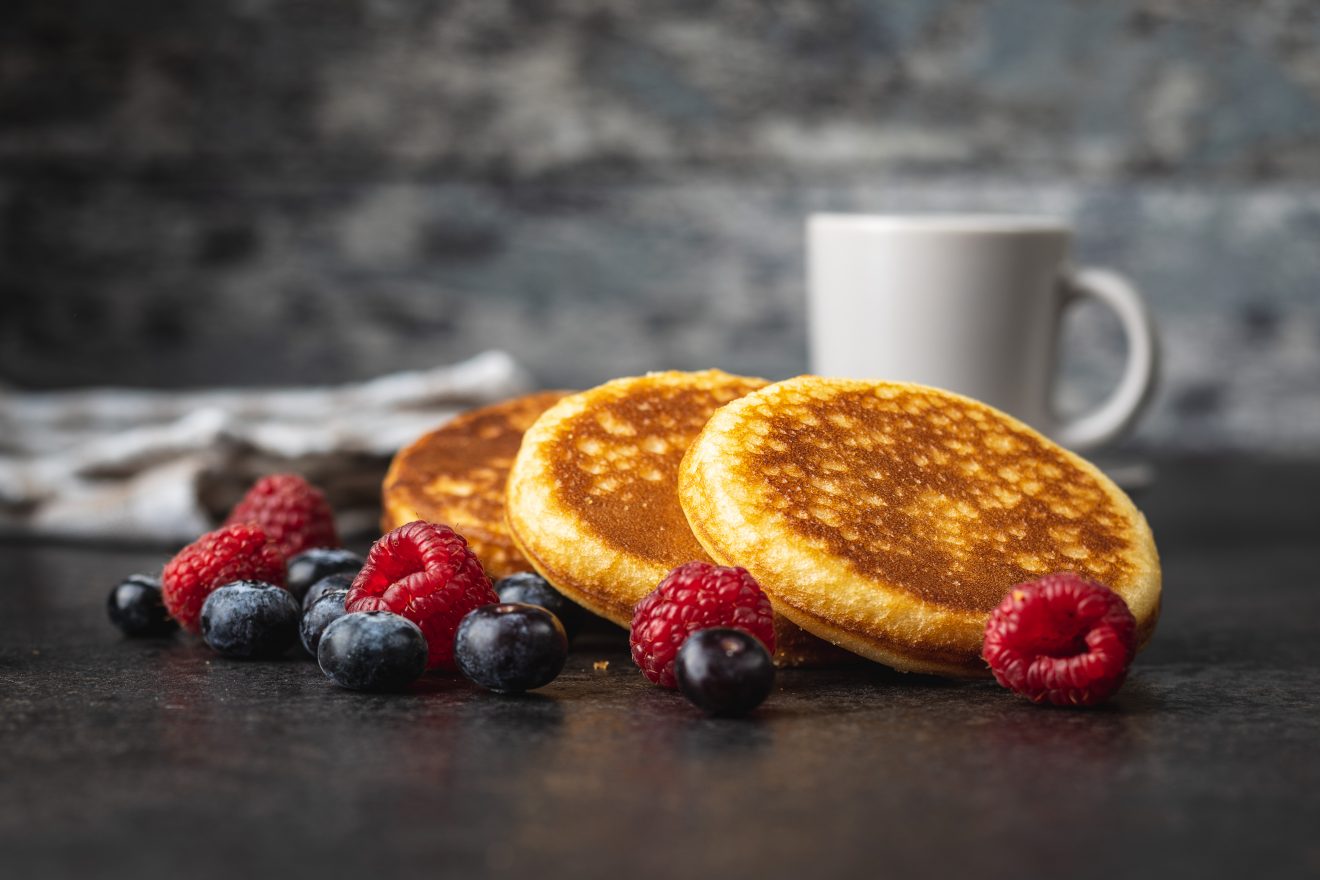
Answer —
(329, 584)
(510, 648)
(372, 651)
(320, 614)
(724, 671)
(249, 620)
(529, 588)
(136, 607)
(312, 565)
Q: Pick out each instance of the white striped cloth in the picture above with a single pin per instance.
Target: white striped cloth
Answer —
(163, 466)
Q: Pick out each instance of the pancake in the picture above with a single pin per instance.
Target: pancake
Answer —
(891, 518)
(456, 474)
(592, 498)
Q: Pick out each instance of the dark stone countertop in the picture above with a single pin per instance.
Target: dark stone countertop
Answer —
(158, 759)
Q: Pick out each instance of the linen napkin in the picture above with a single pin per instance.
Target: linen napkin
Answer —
(163, 467)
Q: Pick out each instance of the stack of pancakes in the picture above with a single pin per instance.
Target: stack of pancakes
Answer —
(882, 518)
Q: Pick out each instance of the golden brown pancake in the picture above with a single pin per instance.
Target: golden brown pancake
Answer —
(891, 518)
(592, 499)
(456, 475)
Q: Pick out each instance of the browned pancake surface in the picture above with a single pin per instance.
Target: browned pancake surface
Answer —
(890, 518)
(616, 466)
(955, 504)
(456, 475)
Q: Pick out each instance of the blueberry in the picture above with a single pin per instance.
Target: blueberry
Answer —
(320, 614)
(724, 671)
(136, 607)
(328, 584)
(250, 620)
(310, 566)
(372, 651)
(510, 648)
(530, 588)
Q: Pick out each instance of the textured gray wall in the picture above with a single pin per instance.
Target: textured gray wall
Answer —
(198, 191)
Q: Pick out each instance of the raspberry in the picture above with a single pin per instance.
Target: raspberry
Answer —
(293, 512)
(426, 573)
(696, 595)
(231, 553)
(1061, 639)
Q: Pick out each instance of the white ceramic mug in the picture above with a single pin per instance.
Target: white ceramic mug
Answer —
(969, 303)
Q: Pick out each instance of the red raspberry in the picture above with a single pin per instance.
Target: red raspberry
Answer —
(426, 573)
(1061, 639)
(696, 595)
(293, 512)
(230, 553)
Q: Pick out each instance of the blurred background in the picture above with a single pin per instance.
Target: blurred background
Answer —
(256, 192)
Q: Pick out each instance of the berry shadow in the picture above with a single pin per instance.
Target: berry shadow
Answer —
(1135, 698)
(511, 722)
(448, 683)
(705, 736)
(611, 640)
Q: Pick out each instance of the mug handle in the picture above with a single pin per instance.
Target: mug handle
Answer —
(1125, 403)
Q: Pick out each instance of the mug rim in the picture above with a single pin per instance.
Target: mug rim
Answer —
(955, 223)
